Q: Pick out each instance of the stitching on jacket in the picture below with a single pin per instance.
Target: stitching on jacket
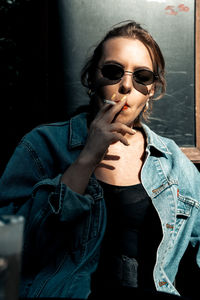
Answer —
(165, 146)
(43, 283)
(189, 201)
(35, 157)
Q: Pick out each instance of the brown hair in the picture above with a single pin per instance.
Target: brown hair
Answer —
(130, 30)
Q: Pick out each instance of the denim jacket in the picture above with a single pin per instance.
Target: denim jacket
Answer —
(64, 230)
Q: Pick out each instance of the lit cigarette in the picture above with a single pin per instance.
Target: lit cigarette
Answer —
(109, 102)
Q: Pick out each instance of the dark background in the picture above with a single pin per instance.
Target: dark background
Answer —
(30, 73)
(34, 85)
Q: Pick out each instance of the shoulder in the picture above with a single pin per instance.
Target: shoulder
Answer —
(46, 132)
(48, 146)
(53, 142)
(55, 134)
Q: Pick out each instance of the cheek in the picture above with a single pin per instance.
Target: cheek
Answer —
(140, 88)
(138, 101)
(107, 91)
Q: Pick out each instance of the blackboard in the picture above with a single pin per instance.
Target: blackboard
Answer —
(171, 23)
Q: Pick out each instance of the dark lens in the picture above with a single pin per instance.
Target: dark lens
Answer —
(144, 76)
(112, 72)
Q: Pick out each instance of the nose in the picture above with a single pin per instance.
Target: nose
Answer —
(126, 84)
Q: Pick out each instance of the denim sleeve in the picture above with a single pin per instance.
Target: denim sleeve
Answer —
(26, 190)
(195, 239)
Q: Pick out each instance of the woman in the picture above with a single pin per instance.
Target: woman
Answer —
(102, 189)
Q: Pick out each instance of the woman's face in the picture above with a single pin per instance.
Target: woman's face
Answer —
(131, 55)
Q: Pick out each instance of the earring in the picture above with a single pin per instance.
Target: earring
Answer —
(146, 106)
(91, 93)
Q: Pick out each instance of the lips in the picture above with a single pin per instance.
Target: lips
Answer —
(125, 107)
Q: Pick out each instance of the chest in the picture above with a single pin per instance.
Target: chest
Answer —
(121, 165)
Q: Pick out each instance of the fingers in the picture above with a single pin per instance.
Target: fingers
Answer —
(102, 111)
(108, 111)
(121, 128)
(119, 137)
(114, 110)
(103, 128)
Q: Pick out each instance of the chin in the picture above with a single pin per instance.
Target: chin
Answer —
(134, 121)
(124, 120)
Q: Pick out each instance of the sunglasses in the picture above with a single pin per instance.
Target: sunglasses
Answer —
(115, 73)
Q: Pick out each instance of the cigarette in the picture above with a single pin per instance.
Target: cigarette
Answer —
(109, 102)
(113, 102)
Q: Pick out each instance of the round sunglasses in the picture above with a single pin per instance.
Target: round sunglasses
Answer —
(115, 73)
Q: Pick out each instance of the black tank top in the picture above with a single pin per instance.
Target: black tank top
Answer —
(132, 236)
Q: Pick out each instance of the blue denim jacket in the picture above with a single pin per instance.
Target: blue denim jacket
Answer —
(64, 229)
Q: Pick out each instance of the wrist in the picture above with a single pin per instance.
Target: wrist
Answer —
(86, 161)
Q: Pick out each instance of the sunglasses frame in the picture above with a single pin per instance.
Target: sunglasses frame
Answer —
(155, 75)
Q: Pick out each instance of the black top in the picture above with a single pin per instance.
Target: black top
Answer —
(132, 236)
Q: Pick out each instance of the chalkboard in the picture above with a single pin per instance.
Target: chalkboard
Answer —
(171, 23)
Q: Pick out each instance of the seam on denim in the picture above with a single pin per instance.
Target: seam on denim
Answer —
(97, 191)
(62, 192)
(170, 285)
(56, 124)
(189, 201)
(182, 212)
(93, 251)
(161, 267)
(152, 142)
(55, 211)
(42, 285)
(72, 144)
(163, 187)
(179, 226)
(165, 146)
(36, 159)
(162, 169)
(39, 216)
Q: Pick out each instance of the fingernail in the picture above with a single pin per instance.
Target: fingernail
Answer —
(123, 98)
(113, 96)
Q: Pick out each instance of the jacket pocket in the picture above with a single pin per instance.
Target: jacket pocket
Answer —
(185, 206)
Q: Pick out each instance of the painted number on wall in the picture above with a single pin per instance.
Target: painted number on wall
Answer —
(174, 10)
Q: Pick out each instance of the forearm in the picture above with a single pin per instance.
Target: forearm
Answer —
(77, 176)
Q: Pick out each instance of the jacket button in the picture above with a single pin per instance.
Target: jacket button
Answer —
(161, 283)
(169, 226)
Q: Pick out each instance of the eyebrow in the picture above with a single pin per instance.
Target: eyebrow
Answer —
(113, 62)
(121, 65)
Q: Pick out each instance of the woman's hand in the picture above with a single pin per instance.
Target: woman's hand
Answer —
(103, 132)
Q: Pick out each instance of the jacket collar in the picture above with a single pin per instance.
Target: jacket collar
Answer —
(155, 141)
(78, 135)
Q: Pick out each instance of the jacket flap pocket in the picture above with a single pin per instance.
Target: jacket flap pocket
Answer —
(184, 206)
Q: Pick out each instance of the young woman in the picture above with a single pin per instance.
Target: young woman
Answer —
(108, 203)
